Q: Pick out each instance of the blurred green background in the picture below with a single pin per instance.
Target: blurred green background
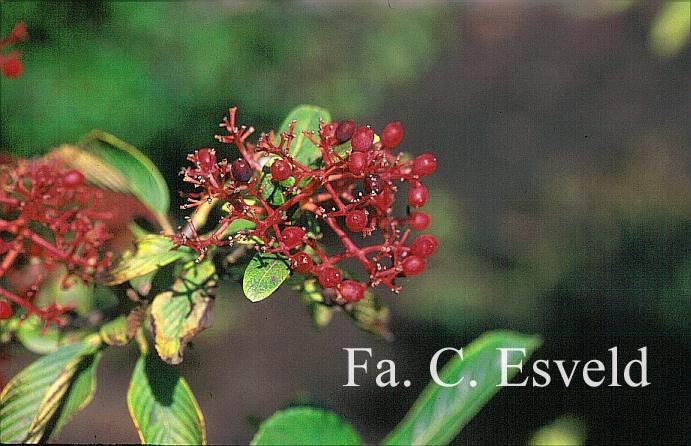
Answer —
(562, 199)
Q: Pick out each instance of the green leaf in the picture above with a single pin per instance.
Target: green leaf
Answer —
(143, 177)
(152, 253)
(78, 396)
(30, 334)
(76, 293)
(34, 395)
(307, 117)
(264, 274)
(179, 314)
(272, 192)
(441, 412)
(305, 426)
(162, 406)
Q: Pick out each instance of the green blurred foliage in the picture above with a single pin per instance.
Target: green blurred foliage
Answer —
(617, 234)
(160, 74)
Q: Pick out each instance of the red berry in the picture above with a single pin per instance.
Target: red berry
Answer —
(72, 178)
(19, 32)
(356, 220)
(424, 164)
(357, 163)
(419, 221)
(417, 196)
(329, 277)
(292, 236)
(281, 170)
(241, 170)
(301, 262)
(362, 139)
(373, 184)
(206, 158)
(5, 310)
(392, 135)
(352, 291)
(385, 199)
(424, 245)
(345, 130)
(413, 265)
(12, 67)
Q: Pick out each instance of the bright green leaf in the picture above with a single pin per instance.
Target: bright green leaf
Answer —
(152, 253)
(307, 117)
(305, 426)
(179, 314)
(31, 399)
(441, 412)
(264, 274)
(162, 406)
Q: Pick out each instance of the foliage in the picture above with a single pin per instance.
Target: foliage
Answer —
(129, 59)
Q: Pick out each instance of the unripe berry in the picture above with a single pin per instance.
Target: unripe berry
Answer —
(424, 164)
(329, 277)
(241, 170)
(72, 178)
(345, 130)
(373, 184)
(12, 67)
(413, 265)
(392, 135)
(362, 139)
(424, 245)
(352, 291)
(419, 221)
(357, 163)
(301, 262)
(5, 310)
(206, 158)
(356, 220)
(292, 236)
(281, 170)
(417, 196)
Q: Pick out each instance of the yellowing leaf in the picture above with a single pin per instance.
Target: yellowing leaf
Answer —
(152, 252)
(177, 315)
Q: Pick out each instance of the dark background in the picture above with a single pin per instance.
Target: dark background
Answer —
(562, 199)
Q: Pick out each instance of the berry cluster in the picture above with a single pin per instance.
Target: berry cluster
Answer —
(47, 218)
(10, 64)
(352, 188)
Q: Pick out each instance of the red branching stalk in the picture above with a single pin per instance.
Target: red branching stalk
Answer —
(10, 64)
(47, 218)
(353, 193)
